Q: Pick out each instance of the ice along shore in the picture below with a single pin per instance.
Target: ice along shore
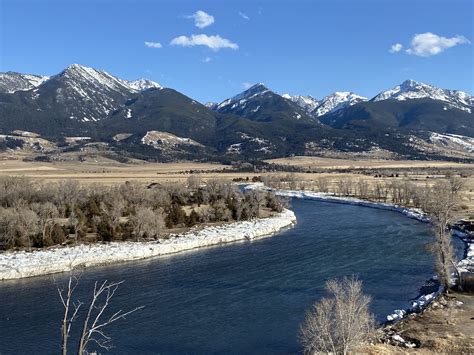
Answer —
(20, 264)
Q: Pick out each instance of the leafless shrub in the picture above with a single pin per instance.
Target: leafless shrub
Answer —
(340, 322)
(322, 184)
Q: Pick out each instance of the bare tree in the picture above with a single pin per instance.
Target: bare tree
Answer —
(147, 222)
(257, 198)
(363, 188)
(77, 224)
(95, 319)
(94, 322)
(26, 222)
(69, 306)
(441, 208)
(114, 209)
(339, 323)
(194, 182)
(8, 228)
(456, 184)
(46, 212)
(323, 184)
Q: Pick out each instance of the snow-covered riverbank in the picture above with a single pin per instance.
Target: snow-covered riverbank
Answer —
(14, 265)
(327, 197)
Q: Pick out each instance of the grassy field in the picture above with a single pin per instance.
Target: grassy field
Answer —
(313, 168)
(329, 163)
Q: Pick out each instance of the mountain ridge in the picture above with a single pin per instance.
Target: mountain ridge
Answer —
(257, 122)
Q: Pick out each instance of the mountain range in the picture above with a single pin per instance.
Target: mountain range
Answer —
(143, 119)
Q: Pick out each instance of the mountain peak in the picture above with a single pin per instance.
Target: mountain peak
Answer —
(336, 101)
(143, 84)
(306, 102)
(11, 82)
(411, 89)
(253, 91)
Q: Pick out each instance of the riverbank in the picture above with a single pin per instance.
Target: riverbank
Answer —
(415, 213)
(444, 326)
(15, 265)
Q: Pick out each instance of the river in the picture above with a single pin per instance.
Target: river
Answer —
(247, 297)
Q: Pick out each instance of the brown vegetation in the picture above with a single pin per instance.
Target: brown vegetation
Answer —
(339, 323)
(36, 214)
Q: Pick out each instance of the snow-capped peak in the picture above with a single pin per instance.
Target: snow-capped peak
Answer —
(78, 73)
(11, 82)
(211, 105)
(336, 101)
(306, 102)
(143, 84)
(240, 99)
(411, 89)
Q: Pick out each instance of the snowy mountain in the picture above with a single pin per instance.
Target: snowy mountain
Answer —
(308, 103)
(83, 93)
(11, 82)
(331, 103)
(240, 100)
(258, 103)
(337, 101)
(86, 102)
(211, 105)
(143, 84)
(411, 89)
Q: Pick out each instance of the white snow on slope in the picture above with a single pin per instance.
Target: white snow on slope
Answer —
(143, 84)
(11, 82)
(331, 103)
(453, 141)
(159, 139)
(306, 102)
(337, 101)
(411, 89)
(242, 98)
(14, 265)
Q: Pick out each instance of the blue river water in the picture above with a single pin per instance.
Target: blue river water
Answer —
(242, 298)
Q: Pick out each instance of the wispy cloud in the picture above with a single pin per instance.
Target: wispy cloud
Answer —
(395, 48)
(153, 44)
(429, 44)
(213, 42)
(246, 85)
(244, 16)
(201, 19)
(207, 60)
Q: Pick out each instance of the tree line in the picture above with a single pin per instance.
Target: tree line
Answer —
(34, 214)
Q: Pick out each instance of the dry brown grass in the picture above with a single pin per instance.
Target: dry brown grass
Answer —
(444, 328)
(329, 163)
(111, 172)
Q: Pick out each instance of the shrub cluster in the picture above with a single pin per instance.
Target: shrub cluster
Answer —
(40, 215)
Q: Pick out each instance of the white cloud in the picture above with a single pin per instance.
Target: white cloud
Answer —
(428, 44)
(207, 60)
(214, 42)
(246, 85)
(153, 44)
(244, 16)
(202, 19)
(395, 48)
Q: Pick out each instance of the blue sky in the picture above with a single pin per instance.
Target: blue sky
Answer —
(300, 47)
